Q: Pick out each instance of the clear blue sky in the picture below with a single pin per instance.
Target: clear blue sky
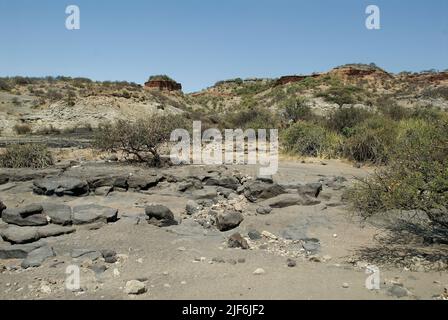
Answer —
(201, 41)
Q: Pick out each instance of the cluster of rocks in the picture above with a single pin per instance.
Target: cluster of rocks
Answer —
(221, 201)
(26, 227)
(100, 185)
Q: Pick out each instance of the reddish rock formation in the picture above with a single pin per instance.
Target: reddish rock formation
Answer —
(289, 79)
(353, 72)
(429, 77)
(163, 85)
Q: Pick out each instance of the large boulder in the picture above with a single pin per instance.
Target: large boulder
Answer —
(36, 257)
(18, 251)
(144, 182)
(30, 215)
(206, 193)
(102, 180)
(61, 186)
(189, 185)
(59, 213)
(159, 215)
(287, 200)
(228, 182)
(256, 190)
(228, 220)
(22, 235)
(91, 213)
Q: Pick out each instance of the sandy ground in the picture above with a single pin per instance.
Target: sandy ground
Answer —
(165, 258)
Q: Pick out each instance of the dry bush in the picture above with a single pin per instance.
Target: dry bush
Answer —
(139, 140)
(26, 156)
(22, 129)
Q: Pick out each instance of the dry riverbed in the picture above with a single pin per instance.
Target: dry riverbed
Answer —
(196, 232)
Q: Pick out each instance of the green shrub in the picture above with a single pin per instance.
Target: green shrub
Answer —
(343, 120)
(160, 77)
(341, 95)
(295, 109)
(22, 129)
(371, 140)
(5, 85)
(251, 118)
(26, 156)
(309, 139)
(392, 110)
(416, 177)
(428, 113)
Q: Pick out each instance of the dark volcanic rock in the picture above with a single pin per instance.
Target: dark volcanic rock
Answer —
(206, 193)
(2, 207)
(143, 182)
(25, 174)
(102, 180)
(228, 220)
(237, 241)
(59, 213)
(30, 215)
(189, 185)
(90, 213)
(21, 235)
(121, 183)
(61, 186)
(159, 215)
(256, 190)
(287, 200)
(18, 251)
(36, 257)
(228, 182)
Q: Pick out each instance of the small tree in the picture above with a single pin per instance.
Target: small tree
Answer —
(140, 139)
(416, 177)
(296, 109)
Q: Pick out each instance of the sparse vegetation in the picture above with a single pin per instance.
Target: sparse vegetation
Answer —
(140, 140)
(22, 128)
(416, 177)
(343, 120)
(308, 139)
(295, 109)
(26, 156)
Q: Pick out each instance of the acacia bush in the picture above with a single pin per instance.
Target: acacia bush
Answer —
(343, 120)
(371, 141)
(416, 177)
(26, 156)
(251, 118)
(295, 109)
(139, 140)
(309, 139)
